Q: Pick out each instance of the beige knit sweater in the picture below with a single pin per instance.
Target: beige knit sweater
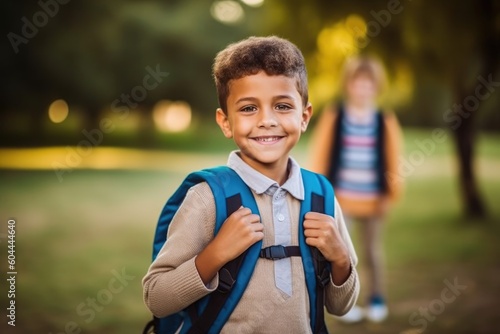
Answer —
(172, 282)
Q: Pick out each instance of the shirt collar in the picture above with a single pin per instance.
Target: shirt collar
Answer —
(261, 183)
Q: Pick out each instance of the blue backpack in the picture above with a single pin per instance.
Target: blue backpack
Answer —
(209, 314)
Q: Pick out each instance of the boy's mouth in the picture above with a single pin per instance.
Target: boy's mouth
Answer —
(267, 139)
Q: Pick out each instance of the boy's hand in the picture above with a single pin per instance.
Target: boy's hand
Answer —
(240, 231)
(320, 232)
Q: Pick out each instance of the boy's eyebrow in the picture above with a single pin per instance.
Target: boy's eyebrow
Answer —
(284, 96)
(247, 99)
(253, 99)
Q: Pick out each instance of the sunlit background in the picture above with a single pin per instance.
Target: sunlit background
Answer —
(107, 105)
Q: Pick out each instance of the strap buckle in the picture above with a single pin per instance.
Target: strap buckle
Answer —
(276, 252)
(226, 281)
(324, 277)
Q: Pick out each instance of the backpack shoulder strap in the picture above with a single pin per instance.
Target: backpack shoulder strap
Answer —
(224, 183)
(319, 185)
(230, 192)
(319, 197)
(171, 207)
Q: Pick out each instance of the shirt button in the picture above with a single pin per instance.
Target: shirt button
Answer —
(281, 217)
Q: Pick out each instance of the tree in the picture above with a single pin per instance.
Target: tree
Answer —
(452, 47)
(90, 53)
(459, 47)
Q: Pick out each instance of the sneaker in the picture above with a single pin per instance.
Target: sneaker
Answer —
(354, 315)
(377, 311)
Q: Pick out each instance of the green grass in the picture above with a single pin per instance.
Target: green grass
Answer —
(71, 236)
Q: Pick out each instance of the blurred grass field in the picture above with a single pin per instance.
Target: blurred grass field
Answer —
(74, 237)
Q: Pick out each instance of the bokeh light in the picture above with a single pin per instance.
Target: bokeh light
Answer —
(356, 25)
(172, 116)
(335, 43)
(227, 12)
(58, 111)
(253, 3)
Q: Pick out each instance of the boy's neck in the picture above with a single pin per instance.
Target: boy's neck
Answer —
(278, 171)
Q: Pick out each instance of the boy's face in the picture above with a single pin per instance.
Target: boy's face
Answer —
(265, 117)
(361, 90)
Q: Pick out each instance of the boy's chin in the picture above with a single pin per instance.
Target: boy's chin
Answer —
(269, 159)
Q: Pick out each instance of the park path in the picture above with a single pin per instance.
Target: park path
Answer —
(114, 158)
(49, 158)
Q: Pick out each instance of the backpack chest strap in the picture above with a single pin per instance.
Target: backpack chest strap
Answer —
(279, 252)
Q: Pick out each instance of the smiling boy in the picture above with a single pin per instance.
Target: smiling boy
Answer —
(262, 89)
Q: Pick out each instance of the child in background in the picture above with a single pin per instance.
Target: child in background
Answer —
(262, 88)
(356, 146)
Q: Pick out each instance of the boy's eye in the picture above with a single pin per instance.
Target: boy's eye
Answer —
(248, 109)
(282, 106)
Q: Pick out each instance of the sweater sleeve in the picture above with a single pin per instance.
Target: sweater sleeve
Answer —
(340, 299)
(393, 150)
(172, 281)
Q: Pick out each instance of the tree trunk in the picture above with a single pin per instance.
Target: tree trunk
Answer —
(465, 142)
(93, 117)
(147, 131)
(489, 53)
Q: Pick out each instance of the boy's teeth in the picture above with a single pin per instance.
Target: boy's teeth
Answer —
(266, 139)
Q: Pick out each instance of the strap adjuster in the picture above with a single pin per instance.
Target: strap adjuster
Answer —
(324, 277)
(226, 281)
(273, 252)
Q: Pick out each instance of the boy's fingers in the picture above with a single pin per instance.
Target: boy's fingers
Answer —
(312, 233)
(245, 216)
(259, 235)
(315, 219)
(311, 215)
(242, 211)
(251, 219)
(312, 242)
(258, 227)
(312, 224)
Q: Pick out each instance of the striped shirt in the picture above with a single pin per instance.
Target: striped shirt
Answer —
(357, 172)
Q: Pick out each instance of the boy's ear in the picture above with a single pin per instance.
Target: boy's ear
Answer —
(306, 116)
(223, 121)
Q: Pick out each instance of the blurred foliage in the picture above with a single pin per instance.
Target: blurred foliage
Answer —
(91, 52)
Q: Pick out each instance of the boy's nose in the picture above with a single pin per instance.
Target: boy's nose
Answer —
(267, 118)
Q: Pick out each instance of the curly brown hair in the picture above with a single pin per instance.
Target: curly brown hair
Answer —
(273, 55)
